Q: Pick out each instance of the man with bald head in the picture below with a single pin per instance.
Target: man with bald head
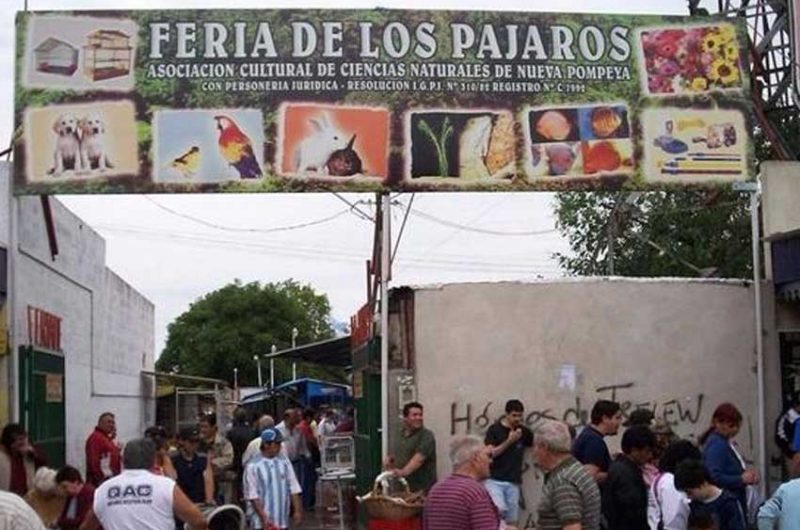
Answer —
(570, 495)
(254, 447)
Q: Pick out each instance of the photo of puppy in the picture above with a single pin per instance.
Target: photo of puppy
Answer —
(67, 151)
(75, 142)
(94, 155)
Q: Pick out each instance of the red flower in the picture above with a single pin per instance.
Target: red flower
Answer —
(667, 48)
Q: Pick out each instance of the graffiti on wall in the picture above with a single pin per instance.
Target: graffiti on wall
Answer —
(675, 411)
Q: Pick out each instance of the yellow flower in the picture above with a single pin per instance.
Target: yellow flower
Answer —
(730, 51)
(727, 33)
(699, 84)
(711, 42)
(724, 71)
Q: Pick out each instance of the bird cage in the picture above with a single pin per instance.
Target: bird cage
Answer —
(55, 56)
(337, 454)
(108, 54)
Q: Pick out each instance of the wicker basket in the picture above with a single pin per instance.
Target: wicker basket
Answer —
(381, 506)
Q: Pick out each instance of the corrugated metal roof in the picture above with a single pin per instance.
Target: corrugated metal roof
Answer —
(50, 44)
(331, 352)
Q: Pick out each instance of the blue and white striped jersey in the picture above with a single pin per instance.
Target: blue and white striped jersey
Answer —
(272, 480)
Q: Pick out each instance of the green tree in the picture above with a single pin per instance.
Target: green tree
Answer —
(224, 329)
(662, 233)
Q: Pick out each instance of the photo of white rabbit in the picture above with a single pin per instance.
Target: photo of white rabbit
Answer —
(322, 141)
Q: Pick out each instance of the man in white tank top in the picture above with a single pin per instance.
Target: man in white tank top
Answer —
(138, 499)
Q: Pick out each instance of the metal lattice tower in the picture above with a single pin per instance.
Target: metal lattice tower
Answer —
(771, 59)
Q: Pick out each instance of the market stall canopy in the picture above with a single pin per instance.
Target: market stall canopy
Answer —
(331, 352)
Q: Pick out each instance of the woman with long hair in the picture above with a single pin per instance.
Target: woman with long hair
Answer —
(720, 456)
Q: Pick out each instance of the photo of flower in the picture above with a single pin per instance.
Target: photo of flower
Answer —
(690, 60)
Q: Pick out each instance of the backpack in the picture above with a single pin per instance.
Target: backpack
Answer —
(784, 431)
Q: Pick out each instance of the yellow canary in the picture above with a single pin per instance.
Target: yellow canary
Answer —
(187, 163)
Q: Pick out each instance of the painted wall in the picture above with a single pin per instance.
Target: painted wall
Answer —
(107, 326)
(678, 347)
(780, 189)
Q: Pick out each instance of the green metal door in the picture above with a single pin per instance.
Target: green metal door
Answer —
(41, 400)
(368, 415)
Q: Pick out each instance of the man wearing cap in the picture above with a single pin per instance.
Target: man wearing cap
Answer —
(270, 484)
(195, 476)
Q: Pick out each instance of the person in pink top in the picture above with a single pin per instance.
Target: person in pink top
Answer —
(102, 452)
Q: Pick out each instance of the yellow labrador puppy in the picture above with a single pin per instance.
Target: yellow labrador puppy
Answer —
(66, 155)
(94, 155)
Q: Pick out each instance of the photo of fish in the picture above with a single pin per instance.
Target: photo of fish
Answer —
(470, 145)
(603, 122)
(609, 156)
(582, 141)
(693, 145)
(554, 125)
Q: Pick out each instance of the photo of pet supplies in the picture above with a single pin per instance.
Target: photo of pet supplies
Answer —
(54, 56)
(107, 54)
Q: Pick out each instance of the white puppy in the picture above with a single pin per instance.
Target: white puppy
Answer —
(66, 155)
(93, 145)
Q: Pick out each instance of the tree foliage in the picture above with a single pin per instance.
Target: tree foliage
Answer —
(224, 329)
(665, 233)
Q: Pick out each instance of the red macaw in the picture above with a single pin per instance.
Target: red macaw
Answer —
(236, 148)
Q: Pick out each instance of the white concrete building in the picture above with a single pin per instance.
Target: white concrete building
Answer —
(70, 311)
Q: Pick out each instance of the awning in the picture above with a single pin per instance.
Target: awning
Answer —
(331, 352)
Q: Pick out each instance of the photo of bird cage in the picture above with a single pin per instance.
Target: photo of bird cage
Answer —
(108, 54)
(55, 56)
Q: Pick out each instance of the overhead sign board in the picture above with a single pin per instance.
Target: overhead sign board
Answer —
(284, 100)
(794, 30)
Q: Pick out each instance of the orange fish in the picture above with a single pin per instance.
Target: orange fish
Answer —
(602, 156)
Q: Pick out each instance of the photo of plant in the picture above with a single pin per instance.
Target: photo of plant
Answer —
(469, 145)
(690, 60)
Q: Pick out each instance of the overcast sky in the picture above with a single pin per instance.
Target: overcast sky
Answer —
(174, 249)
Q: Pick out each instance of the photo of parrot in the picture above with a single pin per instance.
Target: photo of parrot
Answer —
(188, 163)
(237, 149)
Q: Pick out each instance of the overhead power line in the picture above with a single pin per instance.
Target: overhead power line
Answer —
(486, 231)
(246, 230)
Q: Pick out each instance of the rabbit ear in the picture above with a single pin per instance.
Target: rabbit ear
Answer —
(351, 142)
(316, 123)
(326, 120)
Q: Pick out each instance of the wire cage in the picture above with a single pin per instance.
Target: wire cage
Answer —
(54, 56)
(107, 54)
(338, 454)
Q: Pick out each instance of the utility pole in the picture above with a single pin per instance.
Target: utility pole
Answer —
(272, 368)
(257, 359)
(295, 332)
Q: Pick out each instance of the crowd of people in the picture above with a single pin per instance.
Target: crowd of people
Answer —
(656, 482)
(158, 482)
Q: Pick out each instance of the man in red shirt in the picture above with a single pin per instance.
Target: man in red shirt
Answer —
(102, 452)
(461, 501)
(80, 497)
